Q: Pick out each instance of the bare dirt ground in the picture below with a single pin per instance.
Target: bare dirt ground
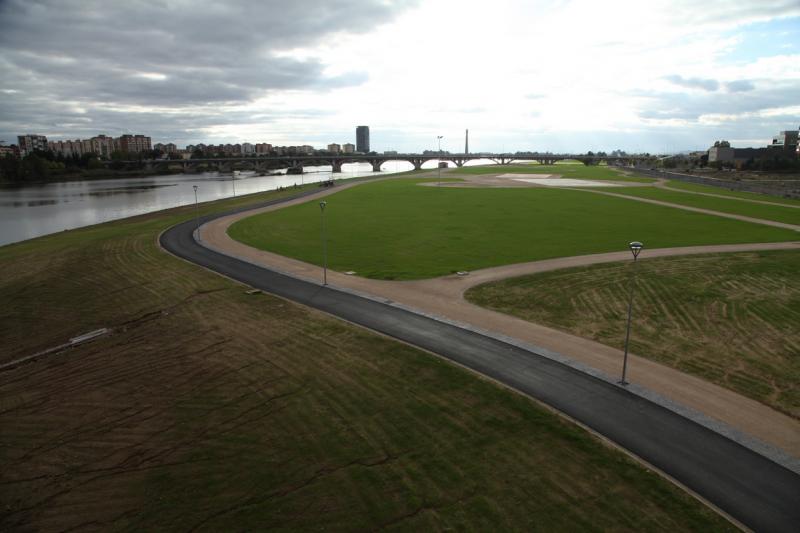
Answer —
(443, 297)
(499, 181)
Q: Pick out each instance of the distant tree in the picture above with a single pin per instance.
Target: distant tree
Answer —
(10, 168)
(34, 167)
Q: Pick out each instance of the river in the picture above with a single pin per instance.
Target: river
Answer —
(36, 210)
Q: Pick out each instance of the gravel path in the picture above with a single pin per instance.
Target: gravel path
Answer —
(698, 210)
(443, 298)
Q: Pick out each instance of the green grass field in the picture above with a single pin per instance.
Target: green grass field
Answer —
(731, 319)
(568, 170)
(396, 229)
(778, 213)
(211, 409)
(733, 194)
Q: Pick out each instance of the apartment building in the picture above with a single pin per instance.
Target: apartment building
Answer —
(134, 144)
(28, 143)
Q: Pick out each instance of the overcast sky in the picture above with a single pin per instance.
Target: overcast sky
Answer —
(520, 74)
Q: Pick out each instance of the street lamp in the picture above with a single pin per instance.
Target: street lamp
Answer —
(196, 214)
(233, 180)
(438, 162)
(635, 247)
(322, 205)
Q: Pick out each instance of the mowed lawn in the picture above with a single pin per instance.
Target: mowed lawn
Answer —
(730, 318)
(209, 409)
(779, 213)
(567, 170)
(397, 229)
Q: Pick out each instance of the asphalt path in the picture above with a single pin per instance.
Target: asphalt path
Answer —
(759, 493)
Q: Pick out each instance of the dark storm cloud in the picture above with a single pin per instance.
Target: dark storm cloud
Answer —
(166, 54)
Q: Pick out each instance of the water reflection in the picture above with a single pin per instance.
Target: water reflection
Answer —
(35, 210)
(30, 203)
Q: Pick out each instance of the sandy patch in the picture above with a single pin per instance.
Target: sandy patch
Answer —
(525, 180)
(567, 182)
(485, 181)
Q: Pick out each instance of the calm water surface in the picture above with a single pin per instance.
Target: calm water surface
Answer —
(33, 211)
(28, 212)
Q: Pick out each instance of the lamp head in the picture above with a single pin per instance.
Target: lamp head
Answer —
(195, 187)
(322, 205)
(636, 247)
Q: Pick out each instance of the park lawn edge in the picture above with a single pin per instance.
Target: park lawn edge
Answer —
(151, 225)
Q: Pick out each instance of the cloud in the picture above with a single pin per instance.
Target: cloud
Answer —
(693, 83)
(168, 55)
(691, 107)
(739, 86)
(307, 70)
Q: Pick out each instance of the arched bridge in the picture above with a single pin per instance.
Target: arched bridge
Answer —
(297, 162)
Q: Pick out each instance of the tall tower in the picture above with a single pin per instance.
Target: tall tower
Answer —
(362, 139)
(466, 143)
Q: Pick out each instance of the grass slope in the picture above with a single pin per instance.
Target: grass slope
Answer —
(396, 229)
(568, 170)
(731, 318)
(208, 409)
(778, 213)
(733, 194)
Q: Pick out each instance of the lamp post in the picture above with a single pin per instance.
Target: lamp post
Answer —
(322, 205)
(233, 181)
(438, 162)
(635, 247)
(196, 214)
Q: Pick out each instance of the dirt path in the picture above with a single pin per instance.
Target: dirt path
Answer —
(698, 210)
(443, 298)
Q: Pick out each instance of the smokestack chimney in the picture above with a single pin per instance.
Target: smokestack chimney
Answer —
(466, 143)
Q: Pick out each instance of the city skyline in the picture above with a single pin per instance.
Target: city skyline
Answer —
(561, 77)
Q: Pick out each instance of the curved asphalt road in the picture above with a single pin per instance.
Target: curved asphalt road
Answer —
(759, 493)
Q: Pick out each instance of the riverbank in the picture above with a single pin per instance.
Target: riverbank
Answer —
(33, 210)
(208, 406)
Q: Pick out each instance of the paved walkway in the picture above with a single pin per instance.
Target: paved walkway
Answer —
(443, 297)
